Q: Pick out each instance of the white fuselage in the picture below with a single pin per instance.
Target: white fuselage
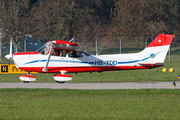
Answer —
(34, 61)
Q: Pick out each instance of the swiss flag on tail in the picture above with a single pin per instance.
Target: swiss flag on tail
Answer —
(161, 40)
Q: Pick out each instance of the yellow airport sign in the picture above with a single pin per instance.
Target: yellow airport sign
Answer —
(11, 69)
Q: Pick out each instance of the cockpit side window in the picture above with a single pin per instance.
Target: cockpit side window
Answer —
(60, 53)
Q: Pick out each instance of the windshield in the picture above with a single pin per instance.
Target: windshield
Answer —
(44, 48)
(41, 49)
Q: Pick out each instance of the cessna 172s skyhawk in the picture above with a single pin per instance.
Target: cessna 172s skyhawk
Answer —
(63, 57)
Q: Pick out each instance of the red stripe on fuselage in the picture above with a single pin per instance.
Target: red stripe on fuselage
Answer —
(86, 69)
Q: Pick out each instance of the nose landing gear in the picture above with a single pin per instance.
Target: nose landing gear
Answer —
(27, 78)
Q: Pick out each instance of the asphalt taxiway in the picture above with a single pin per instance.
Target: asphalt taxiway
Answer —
(126, 85)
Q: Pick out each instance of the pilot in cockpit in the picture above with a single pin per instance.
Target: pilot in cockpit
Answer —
(74, 54)
(56, 52)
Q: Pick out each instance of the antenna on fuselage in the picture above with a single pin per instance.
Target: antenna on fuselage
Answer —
(72, 40)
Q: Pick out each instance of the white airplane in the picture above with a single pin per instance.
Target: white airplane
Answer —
(65, 57)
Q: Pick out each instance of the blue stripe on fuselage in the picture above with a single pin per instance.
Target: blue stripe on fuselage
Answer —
(55, 61)
(128, 62)
(70, 61)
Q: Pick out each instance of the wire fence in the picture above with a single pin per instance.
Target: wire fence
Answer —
(113, 45)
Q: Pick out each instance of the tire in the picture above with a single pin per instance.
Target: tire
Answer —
(60, 82)
(26, 81)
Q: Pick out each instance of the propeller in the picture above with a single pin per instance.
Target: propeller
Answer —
(10, 55)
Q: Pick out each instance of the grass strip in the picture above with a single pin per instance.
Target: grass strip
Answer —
(89, 104)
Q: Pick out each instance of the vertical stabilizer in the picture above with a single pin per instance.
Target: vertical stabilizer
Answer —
(156, 51)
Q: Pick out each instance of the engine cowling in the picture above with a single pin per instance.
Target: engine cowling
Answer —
(62, 77)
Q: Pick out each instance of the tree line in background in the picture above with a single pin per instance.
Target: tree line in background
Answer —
(65, 19)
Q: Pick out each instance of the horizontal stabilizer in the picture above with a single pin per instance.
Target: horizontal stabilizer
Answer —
(150, 64)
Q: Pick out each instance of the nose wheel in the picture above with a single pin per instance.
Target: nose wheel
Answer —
(26, 81)
(27, 78)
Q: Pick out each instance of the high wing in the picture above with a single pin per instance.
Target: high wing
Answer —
(64, 45)
(59, 45)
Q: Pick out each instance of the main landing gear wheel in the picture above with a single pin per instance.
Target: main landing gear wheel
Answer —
(60, 82)
(26, 81)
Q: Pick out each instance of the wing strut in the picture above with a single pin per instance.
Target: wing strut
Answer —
(47, 62)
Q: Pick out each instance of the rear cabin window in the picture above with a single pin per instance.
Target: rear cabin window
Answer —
(75, 54)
